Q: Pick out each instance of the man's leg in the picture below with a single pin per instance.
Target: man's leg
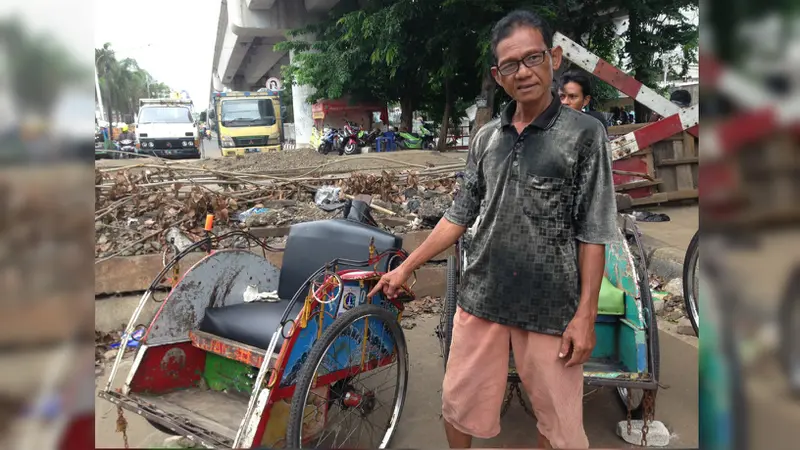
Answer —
(475, 379)
(555, 391)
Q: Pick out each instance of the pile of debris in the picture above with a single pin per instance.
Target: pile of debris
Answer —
(669, 304)
(420, 308)
(135, 205)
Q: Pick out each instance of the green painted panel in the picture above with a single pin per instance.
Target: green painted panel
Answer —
(227, 374)
(632, 347)
(606, 346)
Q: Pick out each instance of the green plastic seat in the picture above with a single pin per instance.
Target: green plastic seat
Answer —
(612, 299)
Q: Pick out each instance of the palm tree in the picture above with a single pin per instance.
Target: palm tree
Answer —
(124, 82)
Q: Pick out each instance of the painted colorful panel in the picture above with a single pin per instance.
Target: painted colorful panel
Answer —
(379, 342)
(278, 419)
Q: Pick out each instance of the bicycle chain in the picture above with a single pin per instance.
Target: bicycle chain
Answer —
(122, 426)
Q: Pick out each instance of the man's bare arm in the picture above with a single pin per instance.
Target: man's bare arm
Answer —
(444, 235)
(591, 263)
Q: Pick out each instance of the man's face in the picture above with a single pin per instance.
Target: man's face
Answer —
(528, 84)
(571, 95)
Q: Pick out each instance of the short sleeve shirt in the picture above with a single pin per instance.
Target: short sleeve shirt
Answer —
(538, 193)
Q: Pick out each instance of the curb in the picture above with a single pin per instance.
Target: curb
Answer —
(666, 262)
(663, 260)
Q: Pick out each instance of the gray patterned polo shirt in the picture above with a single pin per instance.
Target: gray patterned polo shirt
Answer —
(538, 194)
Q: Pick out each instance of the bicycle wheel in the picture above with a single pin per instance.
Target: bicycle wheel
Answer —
(348, 396)
(637, 395)
(449, 308)
(691, 279)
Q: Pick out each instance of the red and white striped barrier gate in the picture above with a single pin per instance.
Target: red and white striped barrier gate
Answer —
(675, 119)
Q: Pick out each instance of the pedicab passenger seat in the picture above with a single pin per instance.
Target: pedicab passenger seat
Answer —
(611, 301)
(310, 246)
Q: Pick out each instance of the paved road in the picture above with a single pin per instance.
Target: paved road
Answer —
(421, 426)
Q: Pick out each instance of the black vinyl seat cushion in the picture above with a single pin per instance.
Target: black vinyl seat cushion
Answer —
(310, 246)
(248, 323)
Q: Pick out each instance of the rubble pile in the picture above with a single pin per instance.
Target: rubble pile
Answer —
(135, 205)
(419, 309)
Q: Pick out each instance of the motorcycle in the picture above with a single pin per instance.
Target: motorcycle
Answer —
(331, 140)
(368, 139)
(413, 141)
(125, 145)
(351, 137)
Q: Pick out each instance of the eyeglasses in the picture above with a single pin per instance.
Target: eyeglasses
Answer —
(530, 61)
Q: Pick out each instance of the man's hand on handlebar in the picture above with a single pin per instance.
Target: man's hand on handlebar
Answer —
(392, 282)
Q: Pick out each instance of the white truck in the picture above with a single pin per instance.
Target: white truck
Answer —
(166, 128)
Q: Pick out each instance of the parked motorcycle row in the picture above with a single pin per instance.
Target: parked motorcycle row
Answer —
(350, 139)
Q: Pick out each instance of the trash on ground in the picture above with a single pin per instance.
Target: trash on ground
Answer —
(327, 194)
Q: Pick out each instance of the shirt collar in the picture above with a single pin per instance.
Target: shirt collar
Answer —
(543, 121)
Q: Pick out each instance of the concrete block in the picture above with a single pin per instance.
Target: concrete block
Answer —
(657, 433)
(685, 327)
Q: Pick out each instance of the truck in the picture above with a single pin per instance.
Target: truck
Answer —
(246, 122)
(165, 127)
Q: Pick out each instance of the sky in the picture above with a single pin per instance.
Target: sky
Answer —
(180, 56)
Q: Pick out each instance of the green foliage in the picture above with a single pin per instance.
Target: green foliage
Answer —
(123, 82)
(431, 55)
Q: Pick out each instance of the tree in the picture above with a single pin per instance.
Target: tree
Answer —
(656, 28)
(435, 55)
(124, 82)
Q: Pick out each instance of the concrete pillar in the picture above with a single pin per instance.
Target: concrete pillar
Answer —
(303, 122)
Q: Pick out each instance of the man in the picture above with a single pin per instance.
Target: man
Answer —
(575, 91)
(680, 97)
(126, 134)
(537, 259)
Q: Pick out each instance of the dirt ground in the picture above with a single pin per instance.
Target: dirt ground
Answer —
(421, 426)
(313, 161)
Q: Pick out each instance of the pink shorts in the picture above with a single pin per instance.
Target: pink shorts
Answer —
(475, 381)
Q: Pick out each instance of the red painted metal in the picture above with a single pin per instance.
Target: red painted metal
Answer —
(710, 69)
(169, 367)
(79, 434)
(617, 78)
(634, 163)
(746, 128)
(228, 349)
(658, 131)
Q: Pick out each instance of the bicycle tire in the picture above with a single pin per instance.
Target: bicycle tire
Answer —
(320, 349)
(690, 262)
(450, 304)
(655, 347)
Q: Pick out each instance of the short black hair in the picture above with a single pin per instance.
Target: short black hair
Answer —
(520, 18)
(681, 97)
(577, 76)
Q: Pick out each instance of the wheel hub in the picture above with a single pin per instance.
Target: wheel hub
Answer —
(365, 403)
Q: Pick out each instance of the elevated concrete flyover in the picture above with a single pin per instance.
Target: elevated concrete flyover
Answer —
(244, 56)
